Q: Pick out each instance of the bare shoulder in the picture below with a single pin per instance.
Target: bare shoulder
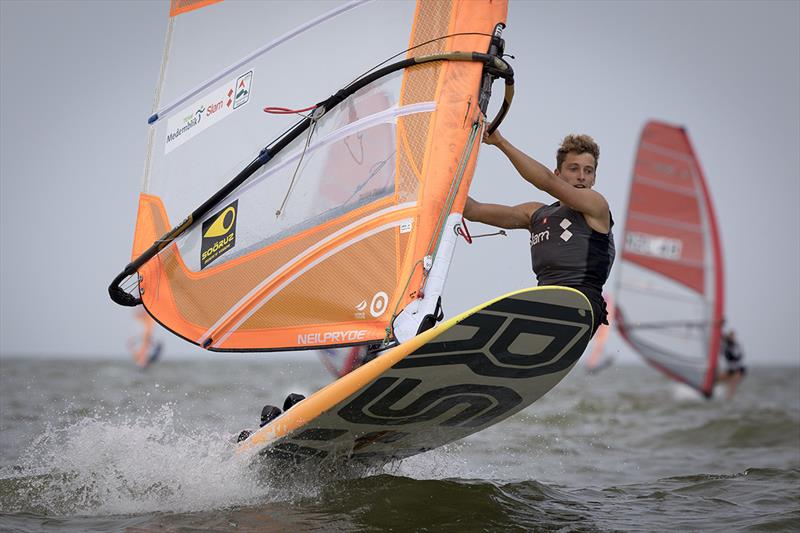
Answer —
(596, 211)
(589, 202)
(526, 212)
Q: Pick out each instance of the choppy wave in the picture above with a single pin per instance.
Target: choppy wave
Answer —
(148, 463)
(616, 453)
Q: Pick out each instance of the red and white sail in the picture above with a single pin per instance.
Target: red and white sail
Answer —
(670, 297)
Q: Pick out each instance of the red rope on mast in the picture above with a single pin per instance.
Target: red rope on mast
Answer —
(286, 110)
(463, 230)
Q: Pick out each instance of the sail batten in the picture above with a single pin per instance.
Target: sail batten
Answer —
(670, 290)
(665, 222)
(685, 191)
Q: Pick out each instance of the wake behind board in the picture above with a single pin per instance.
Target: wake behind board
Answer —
(466, 374)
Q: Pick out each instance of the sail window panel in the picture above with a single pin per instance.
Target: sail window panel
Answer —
(337, 175)
(330, 182)
(301, 63)
(672, 360)
(667, 322)
(350, 157)
(221, 137)
(692, 277)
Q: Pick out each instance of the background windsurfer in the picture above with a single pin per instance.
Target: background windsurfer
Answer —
(571, 240)
(144, 349)
(732, 352)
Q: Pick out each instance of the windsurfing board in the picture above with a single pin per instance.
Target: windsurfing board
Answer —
(466, 374)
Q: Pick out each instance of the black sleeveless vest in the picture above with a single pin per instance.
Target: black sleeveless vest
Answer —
(566, 251)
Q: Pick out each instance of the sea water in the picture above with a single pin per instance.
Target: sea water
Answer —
(99, 445)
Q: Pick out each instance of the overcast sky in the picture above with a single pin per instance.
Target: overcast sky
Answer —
(77, 83)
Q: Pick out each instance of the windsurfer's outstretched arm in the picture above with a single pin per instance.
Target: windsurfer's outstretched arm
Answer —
(571, 182)
(501, 216)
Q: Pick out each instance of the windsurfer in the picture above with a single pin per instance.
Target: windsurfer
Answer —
(144, 349)
(571, 240)
(736, 370)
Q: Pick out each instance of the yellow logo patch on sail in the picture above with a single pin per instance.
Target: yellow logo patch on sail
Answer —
(221, 224)
(219, 234)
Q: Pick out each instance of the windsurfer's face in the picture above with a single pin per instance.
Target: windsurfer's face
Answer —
(578, 170)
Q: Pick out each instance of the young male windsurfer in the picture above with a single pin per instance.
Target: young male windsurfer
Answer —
(571, 240)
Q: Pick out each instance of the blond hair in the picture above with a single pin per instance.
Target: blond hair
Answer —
(579, 144)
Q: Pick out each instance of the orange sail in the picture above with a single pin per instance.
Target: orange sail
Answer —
(336, 230)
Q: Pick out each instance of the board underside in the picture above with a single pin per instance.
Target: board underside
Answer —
(467, 374)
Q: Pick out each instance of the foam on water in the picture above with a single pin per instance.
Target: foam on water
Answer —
(139, 464)
(610, 452)
(154, 461)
